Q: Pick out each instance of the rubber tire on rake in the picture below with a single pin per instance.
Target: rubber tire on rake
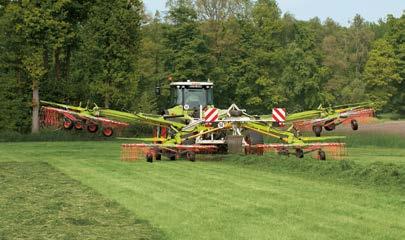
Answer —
(78, 125)
(190, 156)
(322, 155)
(354, 124)
(317, 129)
(108, 132)
(299, 153)
(330, 127)
(92, 128)
(67, 124)
(149, 157)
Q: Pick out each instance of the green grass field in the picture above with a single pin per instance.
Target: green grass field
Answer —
(38, 201)
(235, 198)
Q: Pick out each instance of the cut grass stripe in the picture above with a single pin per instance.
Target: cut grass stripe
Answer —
(39, 202)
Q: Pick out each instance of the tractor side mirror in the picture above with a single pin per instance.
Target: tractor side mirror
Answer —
(157, 91)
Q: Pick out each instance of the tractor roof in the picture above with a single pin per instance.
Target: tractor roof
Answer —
(190, 83)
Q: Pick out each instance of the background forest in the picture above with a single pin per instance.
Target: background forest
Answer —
(114, 54)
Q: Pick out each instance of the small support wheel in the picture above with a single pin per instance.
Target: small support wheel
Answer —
(67, 123)
(190, 156)
(322, 155)
(299, 153)
(78, 125)
(108, 132)
(158, 157)
(317, 130)
(355, 125)
(284, 152)
(149, 157)
(92, 128)
(172, 157)
(330, 127)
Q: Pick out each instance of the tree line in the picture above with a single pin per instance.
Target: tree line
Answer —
(114, 54)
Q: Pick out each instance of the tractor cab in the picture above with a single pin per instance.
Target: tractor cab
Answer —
(191, 95)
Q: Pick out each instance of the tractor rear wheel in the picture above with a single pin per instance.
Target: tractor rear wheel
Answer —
(299, 153)
(355, 125)
(317, 130)
(322, 155)
(235, 144)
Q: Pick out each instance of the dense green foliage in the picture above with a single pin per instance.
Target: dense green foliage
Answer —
(113, 53)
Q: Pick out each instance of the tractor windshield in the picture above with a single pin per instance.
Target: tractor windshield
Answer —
(193, 97)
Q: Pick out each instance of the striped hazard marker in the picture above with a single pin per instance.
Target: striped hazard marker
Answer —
(279, 115)
(211, 115)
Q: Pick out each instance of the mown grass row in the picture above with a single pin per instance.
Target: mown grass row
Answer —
(39, 202)
(388, 176)
(377, 140)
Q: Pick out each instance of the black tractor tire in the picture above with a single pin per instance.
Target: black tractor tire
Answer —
(322, 155)
(299, 153)
(330, 127)
(235, 144)
(190, 156)
(355, 125)
(254, 138)
(158, 157)
(149, 157)
(172, 157)
(317, 129)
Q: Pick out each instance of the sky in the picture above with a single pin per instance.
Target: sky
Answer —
(341, 11)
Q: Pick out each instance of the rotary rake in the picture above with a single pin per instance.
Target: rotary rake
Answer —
(69, 119)
(194, 126)
(329, 118)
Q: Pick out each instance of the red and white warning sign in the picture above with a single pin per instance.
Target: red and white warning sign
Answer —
(279, 115)
(211, 115)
